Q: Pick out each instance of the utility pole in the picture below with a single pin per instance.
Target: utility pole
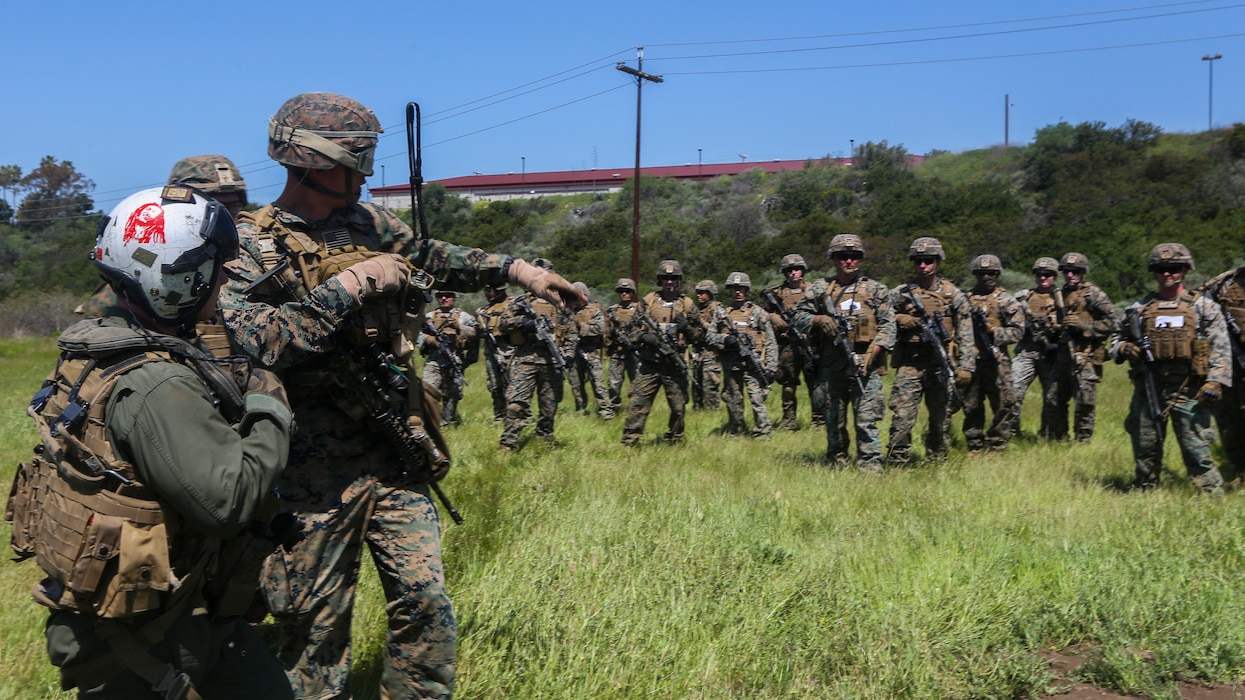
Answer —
(640, 77)
(1007, 117)
(1210, 107)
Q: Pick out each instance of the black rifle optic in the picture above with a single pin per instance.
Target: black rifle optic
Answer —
(445, 350)
(546, 334)
(810, 356)
(934, 334)
(1153, 400)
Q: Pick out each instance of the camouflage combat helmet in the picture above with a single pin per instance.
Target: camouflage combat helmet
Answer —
(1074, 261)
(738, 279)
(543, 263)
(707, 286)
(791, 261)
(1045, 265)
(987, 263)
(447, 293)
(625, 284)
(845, 243)
(1170, 254)
(583, 288)
(320, 130)
(669, 268)
(925, 246)
(210, 175)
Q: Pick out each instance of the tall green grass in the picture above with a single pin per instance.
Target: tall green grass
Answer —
(732, 568)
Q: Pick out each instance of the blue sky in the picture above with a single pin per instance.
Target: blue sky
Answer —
(125, 89)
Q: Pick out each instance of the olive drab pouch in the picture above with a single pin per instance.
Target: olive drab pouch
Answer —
(425, 423)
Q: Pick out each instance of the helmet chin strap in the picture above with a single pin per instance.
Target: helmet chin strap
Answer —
(346, 195)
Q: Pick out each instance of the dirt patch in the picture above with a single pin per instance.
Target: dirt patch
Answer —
(1064, 664)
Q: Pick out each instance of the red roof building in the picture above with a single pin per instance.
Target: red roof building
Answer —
(523, 185)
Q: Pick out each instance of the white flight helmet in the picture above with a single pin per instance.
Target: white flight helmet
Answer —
(162, 249)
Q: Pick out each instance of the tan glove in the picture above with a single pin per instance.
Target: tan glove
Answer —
(547, 285)
(963, 378)
(1209, 394)
(825, 325)
(907, 322)
(383, 274)
(778, 322)
(1129, 351)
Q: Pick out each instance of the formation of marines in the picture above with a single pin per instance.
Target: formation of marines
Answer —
(171, 410)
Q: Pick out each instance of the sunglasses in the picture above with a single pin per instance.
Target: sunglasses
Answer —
(989, 273)
(1168, 269)
(925, 260)
(848, 256)
(1044, 273)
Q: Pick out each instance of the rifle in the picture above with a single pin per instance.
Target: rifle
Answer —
(934, 334)
(667, 349)
(843, 340)
(1147, 364)
(382, 389)
(981, 331)
(494, 349)
(545, 333)
(810, 356)
(748, 353)
(1238, 351)
(445, 349)
(1061, 312)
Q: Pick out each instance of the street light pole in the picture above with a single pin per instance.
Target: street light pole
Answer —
(699, 161)
(640, 77)
(524, 176)
(1210, 106)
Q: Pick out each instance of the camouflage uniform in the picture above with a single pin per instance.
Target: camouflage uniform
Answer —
(1192, 354)
(497, 353)
(745, 319)
(791, 360)
(998, 322)
(587, 360)
(622, 356)
(440, 371)
(1087, 322)
(867, 303)
(706, 365)
(679, 322)
(915, 368)
(533, 367)
(1228, 290)
(1037, 351)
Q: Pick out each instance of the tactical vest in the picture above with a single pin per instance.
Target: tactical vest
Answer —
(1231, 298)
(990, 304)
(936, 301)
(520, 338)
(489, 318)
(665, 312)
(619, 317)
(741, 320)
(445, 321)
(295, 262)
(106, 541)
(1171, 325)
(843, 300)
(298, 261)
(591, 323)
(787, 296)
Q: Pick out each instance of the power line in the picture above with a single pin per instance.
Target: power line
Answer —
(934, 28)
(956, 60)
(897, 42)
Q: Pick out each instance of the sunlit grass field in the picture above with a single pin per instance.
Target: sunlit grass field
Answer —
(733, 568)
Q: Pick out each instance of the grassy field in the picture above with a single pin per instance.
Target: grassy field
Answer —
(732, 568)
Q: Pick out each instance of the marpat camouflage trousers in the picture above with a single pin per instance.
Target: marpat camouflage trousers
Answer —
(837, 390)
(912, 383)
(991, 383)
(651, 377)
(528, 378)
(735, 384)
(1190, 424)
(345, 506)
